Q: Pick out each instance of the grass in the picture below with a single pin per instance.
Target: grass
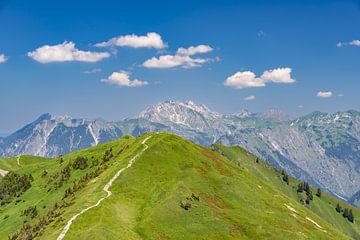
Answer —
(238, 198)
(323, 207)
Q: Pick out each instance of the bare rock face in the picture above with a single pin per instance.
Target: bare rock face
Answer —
(321, 148)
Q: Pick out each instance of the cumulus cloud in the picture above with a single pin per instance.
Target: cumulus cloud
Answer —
(3, 58)
(245, 79)
(278, 75)
(122, 79)
(248, 79)
(65, 52)
(170, 61)
(182, 58)
(151, 40)
(194, 50)
(324, 94)
(352, 43)
(249, 98)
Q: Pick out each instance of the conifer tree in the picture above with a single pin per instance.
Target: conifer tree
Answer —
(346, 213)
(351, 216)
(338, 208)
(318, 193)
(307, 188)
(299, 189)
(286, 178)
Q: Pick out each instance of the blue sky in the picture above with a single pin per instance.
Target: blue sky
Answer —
(278, 54)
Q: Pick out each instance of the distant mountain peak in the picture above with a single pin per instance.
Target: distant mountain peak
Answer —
(173, 110)
(187, 114)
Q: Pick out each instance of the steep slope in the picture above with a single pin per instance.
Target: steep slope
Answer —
(324, 206)
(172, 189)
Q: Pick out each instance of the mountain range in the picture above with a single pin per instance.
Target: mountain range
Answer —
(161, 186)
(321, 148)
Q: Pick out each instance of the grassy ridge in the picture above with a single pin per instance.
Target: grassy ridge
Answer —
(238, 199)
(323, 207)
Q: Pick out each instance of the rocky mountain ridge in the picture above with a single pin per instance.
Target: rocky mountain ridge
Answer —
(321, 148)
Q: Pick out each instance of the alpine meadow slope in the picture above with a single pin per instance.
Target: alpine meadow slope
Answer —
(321, 148)
(174, 190)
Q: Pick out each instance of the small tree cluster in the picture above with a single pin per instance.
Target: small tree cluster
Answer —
(13, 185)
(107, 155)
(318, 193)
(304, 187)
(81, 183)
(30, 211)
(59, 178)
(80, 163)
(32, 231)
(338, 208)
(346, 213)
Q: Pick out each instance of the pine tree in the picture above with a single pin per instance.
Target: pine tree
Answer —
(351, 216)
(300, 188)
(286, 179)
(307, 187)
(346, 213)
(318, 193)
(338, 208)
(310, 195)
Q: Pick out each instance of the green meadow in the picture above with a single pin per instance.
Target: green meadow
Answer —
(174, 190)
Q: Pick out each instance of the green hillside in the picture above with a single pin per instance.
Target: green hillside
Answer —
(166, 188)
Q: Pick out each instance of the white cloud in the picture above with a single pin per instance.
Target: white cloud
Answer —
(249, 98)
(3, 58)
(278, 75)
(340, 95)
(245, 79)
(170, 61)
(151, 40)
(194, 50)
(355, 43)
(122, 79)
(352, 43)
(248, 79)
(324, 94)
(182, 58)
(93, 71)
(65, 52)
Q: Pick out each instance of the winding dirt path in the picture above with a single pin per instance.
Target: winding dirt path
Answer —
(105, 189)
